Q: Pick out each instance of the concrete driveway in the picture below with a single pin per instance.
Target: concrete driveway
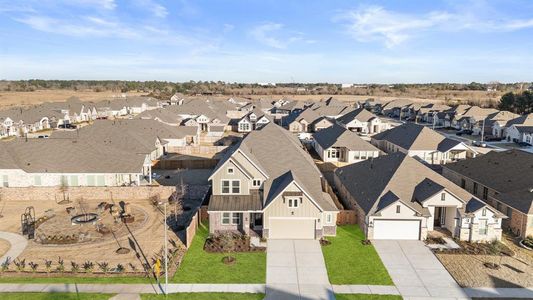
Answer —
(296, 270)
(416, 271)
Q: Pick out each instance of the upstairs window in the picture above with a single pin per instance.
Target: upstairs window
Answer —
(485, 193)
(484, 212)
(475, 188)
(231, 187)
(231, 170)
(256, 182)
(293, 203)
(398, 208)
(463, 183)
(443, 197)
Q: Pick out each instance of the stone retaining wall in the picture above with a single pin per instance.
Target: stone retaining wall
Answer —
(87, 193)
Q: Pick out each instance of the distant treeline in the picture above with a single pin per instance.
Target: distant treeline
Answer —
(520, 103)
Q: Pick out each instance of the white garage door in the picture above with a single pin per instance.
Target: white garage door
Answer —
(396, 229)
(292, 228)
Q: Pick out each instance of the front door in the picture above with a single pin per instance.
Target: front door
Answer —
(256, 220)
(440, 216)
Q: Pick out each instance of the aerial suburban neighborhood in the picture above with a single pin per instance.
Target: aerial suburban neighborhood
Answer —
(237, 150)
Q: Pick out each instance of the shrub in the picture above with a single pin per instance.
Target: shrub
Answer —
(104, 266)
(74, 267)
(33, 266)
(20, 264)
(5, 265)
(60, 265)
(528, 241)
(119, 268)
(47, 265)
(88, 266)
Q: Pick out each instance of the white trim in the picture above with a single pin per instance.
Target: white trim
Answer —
(303, 191)
(230, 187)
(230, 159)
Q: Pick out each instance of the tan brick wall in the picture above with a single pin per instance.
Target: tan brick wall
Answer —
(87, 193)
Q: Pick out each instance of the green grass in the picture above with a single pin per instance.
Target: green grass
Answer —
(199, 266)
(75, 279)
(205, 296)
(54, 296)
(350, 262)
(364, 297)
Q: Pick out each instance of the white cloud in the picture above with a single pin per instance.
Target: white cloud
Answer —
(273, 35)
(155, 8)
(375, 23)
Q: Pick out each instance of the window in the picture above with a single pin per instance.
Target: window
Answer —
(64, 180)
(236, 219)
(398, 207)
(5, 181)
(236, 187)
(293, 203)
(499, 206)
(475, 188)
(463, 183)
(328, 218)
(73, 180)
(100, 180)
(509, 212)
(231, 187)
(37, 180)
(256, 183)
(231, 218)
(231, 170)
(225, 218)
(443, 197)
(91, 181)
(485, 193)
(484, 212)
(225, 186)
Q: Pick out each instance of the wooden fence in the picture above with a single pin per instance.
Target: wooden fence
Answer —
(346, 217)
(190, 232)
(174, 164)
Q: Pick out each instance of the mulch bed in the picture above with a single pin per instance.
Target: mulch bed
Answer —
(435, 240)
(479, 249)
(241, 243)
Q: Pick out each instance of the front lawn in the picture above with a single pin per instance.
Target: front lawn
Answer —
(199, 266)
(102, 279)
(350, 262)
(54, 296)
(204, 296)
(364, 296)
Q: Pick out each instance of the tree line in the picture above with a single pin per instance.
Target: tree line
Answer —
(520, 103)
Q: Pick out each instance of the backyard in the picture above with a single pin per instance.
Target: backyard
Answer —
(349, 261)
(199, 266)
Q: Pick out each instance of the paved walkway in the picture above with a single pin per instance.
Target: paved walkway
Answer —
(416, 271)
(18, 244)
(296, 270)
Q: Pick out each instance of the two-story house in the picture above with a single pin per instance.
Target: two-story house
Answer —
(268, 185)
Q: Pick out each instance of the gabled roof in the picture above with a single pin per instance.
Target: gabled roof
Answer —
(510, 173)
(399, 174)
(411, 136)
(360, 114)
(338, 136)
(522, 120)
(67, 156)
(283, 163)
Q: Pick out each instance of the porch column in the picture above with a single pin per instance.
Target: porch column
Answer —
(246, 222)
(150, 174)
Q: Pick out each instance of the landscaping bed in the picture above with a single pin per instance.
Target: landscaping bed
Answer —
(240, 243)
(350, 261)
(490, 248)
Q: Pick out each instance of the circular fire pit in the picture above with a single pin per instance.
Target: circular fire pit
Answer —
(84, 218)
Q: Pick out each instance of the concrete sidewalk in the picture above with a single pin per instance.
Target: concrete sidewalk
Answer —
(18, 244)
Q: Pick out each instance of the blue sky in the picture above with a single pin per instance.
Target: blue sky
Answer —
(268, 41)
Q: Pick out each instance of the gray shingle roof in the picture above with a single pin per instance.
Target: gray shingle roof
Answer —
(360, 114)
(509, 172)
(338, 136)
(67, 156)
(405, 177)
(411, 136)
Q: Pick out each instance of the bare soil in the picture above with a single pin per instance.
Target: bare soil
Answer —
(4, 247)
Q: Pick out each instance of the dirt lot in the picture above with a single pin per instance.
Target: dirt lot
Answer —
(4, 246)
(469, 270)
(144, 238)
(8, 99)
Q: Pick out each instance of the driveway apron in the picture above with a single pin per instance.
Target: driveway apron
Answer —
(415, 270)
(296, 270)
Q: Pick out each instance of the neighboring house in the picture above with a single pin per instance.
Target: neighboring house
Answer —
(362, 121)
(503, 179)
(268, 185)
(337, 144)
(307, 120)
(330, 108)
(397, 197)
(510, 131)
(422, 142)
(395, 108)
(429, 113)
(70, 163)
(475, 119)
(19, 122)
(148, 137)
(253, 120)
(164, 115)
(208, 115)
